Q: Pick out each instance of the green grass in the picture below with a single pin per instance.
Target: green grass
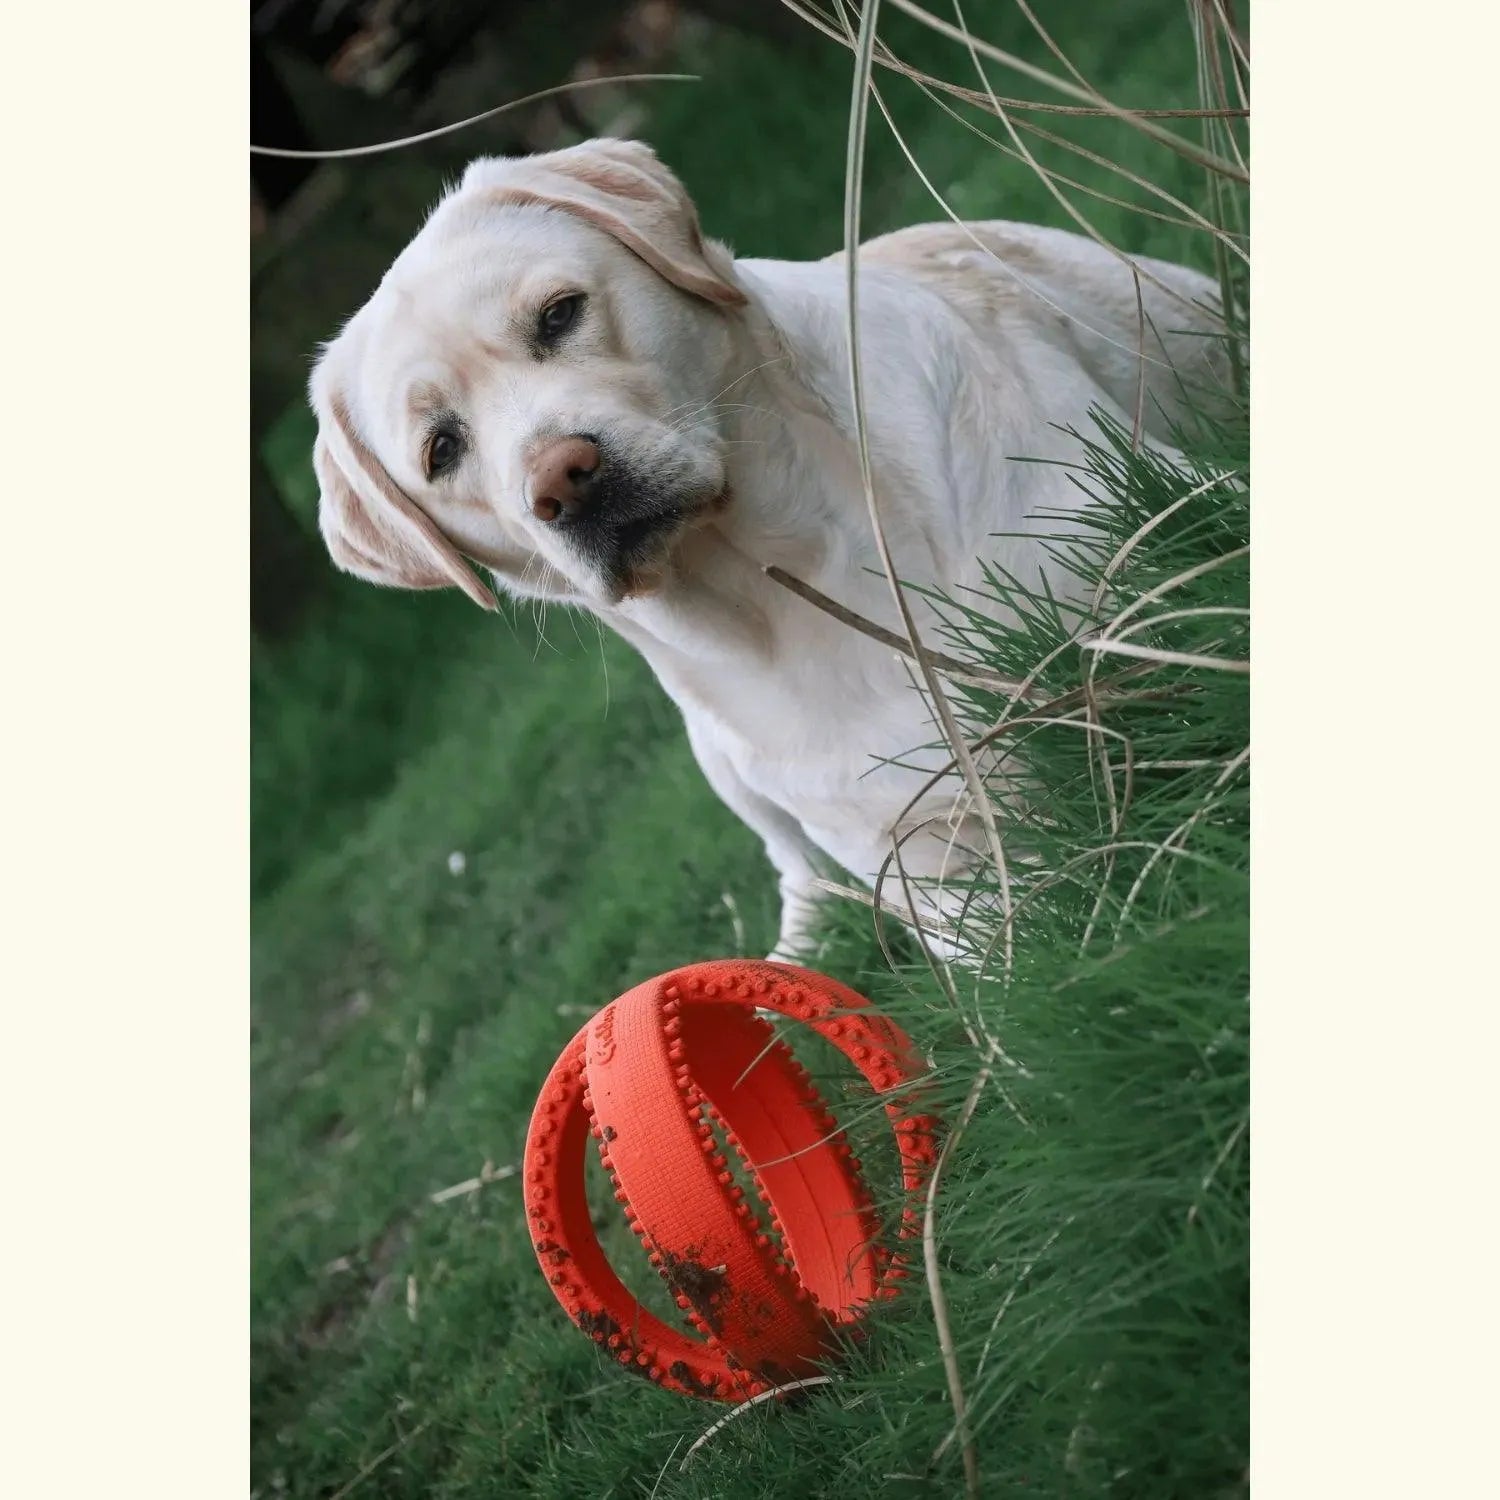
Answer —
(405, 1015)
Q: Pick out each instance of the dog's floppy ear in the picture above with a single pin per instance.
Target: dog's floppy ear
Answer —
(372, 528)
(622, 188)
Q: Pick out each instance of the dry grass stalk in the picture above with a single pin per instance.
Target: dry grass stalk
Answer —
(744, 1406)
(488, 1173)
(820, 20)
(1133, 118)
(380, 1458)
(1046, 179)
(949, 666)
(489, 114)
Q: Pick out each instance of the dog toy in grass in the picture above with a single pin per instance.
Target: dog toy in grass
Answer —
(670, 1077)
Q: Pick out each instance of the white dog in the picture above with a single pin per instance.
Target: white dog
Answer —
(563, 381)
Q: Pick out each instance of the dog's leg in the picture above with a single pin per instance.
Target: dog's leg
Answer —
(788, 848)
(798, 910)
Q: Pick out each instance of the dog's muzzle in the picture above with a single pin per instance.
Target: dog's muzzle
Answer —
(615, 520)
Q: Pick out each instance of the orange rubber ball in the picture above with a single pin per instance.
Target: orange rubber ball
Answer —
(768, 1279)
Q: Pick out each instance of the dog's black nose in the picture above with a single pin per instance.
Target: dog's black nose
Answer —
(560, 477)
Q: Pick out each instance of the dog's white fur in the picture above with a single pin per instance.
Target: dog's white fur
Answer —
(719, 389)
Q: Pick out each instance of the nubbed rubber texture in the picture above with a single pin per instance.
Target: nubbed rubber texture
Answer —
(648, 1077)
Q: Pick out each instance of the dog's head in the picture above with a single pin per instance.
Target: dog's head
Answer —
(531, 386)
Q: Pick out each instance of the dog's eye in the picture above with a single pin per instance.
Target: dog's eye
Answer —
(444, 449)
(558, 317)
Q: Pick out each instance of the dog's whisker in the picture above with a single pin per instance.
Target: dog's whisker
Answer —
(603, 658)
(753, 370)
(685, 425)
